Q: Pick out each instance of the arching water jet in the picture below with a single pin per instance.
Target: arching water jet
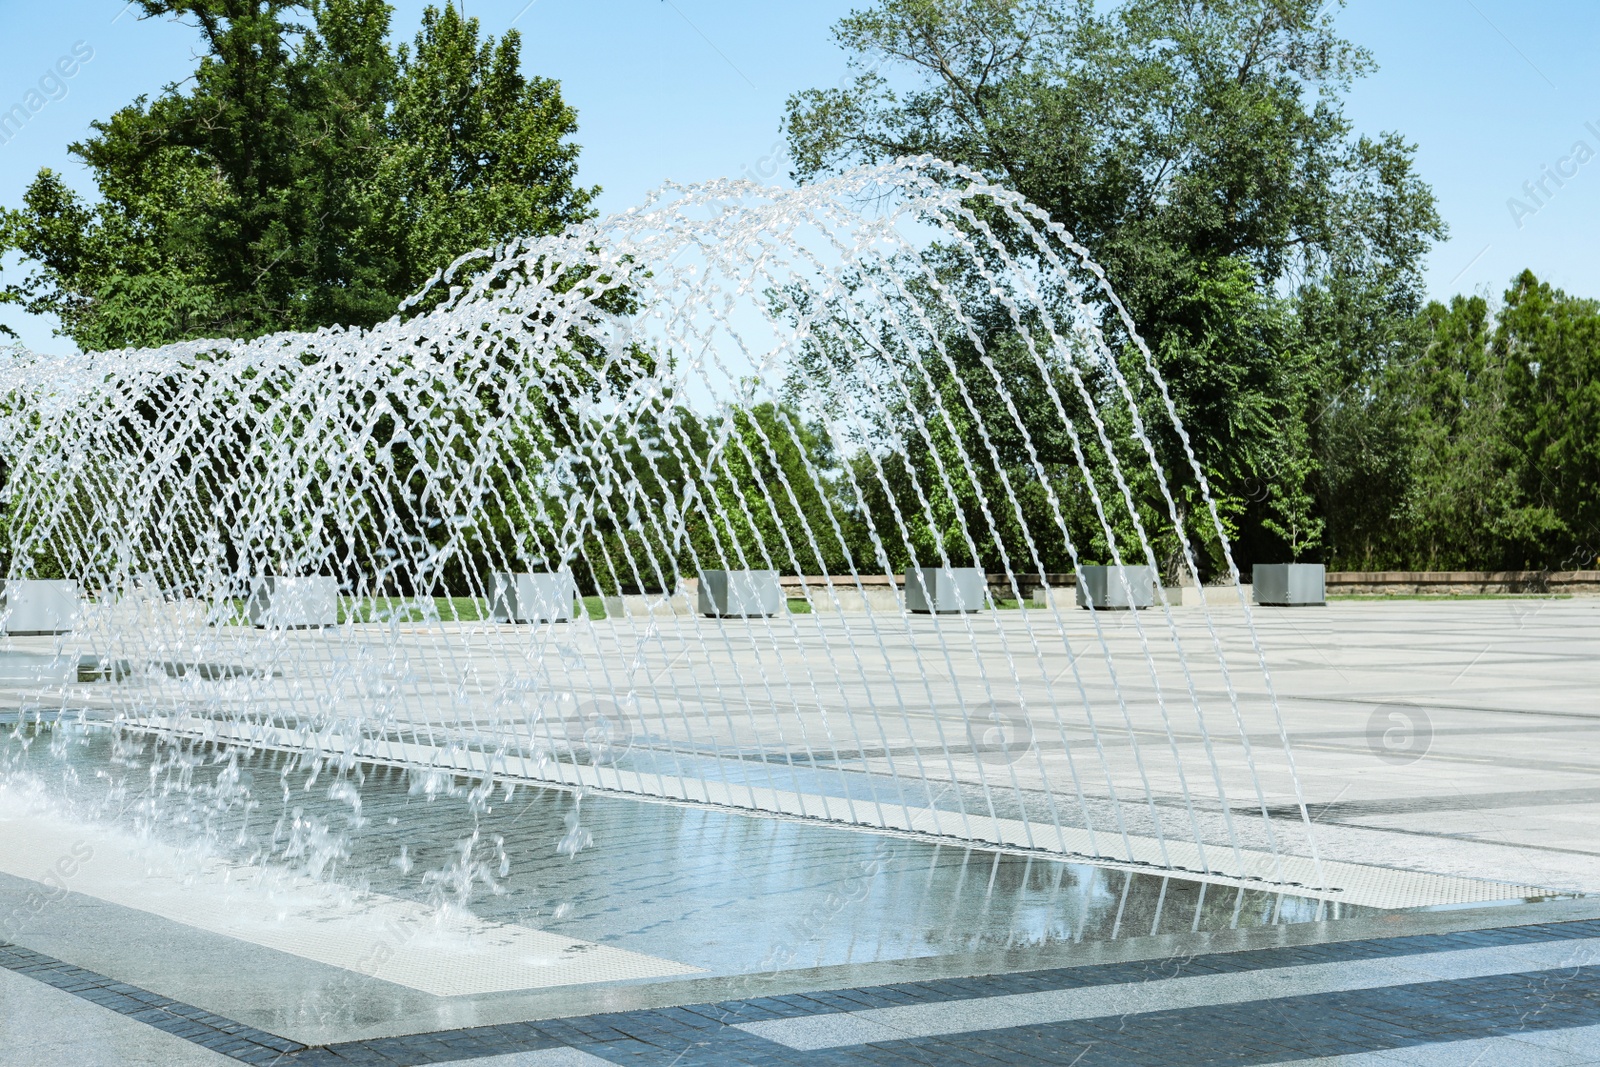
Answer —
(902, 368)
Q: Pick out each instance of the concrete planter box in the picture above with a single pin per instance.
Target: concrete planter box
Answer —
(1291, 584)
(1117, 588)
(743, 594)
(531, 597)
(35, 608)
(937, 590)
(280, 603)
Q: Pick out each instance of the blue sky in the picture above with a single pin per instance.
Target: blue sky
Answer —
(1491, 91)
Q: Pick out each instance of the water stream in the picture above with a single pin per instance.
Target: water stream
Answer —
(902, 367)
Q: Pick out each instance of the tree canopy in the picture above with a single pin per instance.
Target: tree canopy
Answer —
(313, 173)
(308, 174)
(1499, 430)
(1270, 255)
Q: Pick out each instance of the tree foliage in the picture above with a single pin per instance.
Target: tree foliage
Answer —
(1198, 149)
(307, 175)
(1501, 417)
(313, 174)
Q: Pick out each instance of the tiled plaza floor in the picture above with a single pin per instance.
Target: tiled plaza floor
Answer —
(803, 944)
(1498, 997)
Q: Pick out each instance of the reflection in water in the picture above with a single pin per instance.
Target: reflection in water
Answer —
(723, 891)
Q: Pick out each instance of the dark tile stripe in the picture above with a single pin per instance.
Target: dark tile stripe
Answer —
(172, 1016)
(1270, 1031)
(1254, 1033)
(956, 989)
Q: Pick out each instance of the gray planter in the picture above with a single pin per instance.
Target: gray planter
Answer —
(281, 603)
(741, 594)
(937, 590)
(531, 597)
(1117, 588)
(1290, 584)
(36, 608)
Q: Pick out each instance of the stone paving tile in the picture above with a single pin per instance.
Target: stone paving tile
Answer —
(1142, 971)
(1258, 1033)
(1426, 1022)
(161, 1013)
(554, 1057)
(41, 1026)
(1390, 1021)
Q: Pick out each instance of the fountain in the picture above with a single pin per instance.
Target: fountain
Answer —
(901, 370)
(293, 602)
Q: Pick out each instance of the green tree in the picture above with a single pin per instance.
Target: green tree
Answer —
(1199, 151)
(1461, 491)
(310, 175)
(1550, 345)
(772, 498)
(1494, 421)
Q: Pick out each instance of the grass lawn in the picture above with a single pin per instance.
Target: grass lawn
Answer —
(413, 609)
